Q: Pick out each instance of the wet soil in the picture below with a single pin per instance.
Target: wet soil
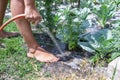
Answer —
(71, 62)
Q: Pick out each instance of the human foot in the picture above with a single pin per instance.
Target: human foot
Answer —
(41, 55)
(4, 34)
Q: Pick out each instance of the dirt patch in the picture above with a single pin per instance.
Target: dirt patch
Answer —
(71, 63)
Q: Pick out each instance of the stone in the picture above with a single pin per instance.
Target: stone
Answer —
(115, 64)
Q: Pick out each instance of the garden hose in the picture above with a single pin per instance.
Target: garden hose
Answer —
(12, 19)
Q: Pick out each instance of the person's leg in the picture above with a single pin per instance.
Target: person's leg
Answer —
(17, 7)
(3, 5)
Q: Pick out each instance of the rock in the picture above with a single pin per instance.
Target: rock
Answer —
(112, 66)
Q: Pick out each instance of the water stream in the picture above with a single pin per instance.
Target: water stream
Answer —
(46, 30)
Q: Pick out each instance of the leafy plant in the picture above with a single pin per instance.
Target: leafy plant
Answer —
(116, 36)
(104, 1)
(98, 43)
(116, 42)
(70, 24)
(104, 13)
(86, 3)
(47, 9)
(117, 2)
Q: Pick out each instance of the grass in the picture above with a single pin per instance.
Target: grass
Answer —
(14, 63)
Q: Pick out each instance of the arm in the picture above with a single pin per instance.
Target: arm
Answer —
(32, 15)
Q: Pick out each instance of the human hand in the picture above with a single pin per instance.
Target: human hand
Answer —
(32, 15)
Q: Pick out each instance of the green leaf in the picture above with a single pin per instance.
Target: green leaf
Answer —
(99, 41)
(115, 55)
(86, 46)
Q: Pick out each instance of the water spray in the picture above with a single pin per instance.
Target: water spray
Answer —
(46, 29)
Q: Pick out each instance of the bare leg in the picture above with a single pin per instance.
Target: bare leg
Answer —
(3, 5)
(17, 7)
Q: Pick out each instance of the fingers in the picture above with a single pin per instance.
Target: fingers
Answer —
(34, 19)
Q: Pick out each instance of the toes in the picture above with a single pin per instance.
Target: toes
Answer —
(54, 59)
(50, 59)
